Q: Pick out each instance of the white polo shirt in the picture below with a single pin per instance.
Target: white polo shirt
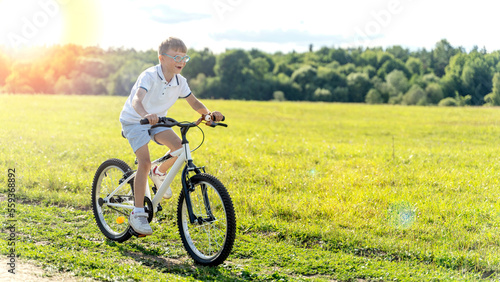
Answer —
(160, 96)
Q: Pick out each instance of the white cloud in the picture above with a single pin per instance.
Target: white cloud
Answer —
(277, 36)
(166, 14)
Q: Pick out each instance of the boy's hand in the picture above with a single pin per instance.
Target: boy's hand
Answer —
(152, 118)
(218, 116)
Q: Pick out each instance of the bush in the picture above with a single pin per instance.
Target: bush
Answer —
(448, 102)
(321, 94)
(279, 96)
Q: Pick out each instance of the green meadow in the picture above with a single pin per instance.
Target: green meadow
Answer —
(322, 191)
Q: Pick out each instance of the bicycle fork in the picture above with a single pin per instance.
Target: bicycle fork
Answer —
(188, 187)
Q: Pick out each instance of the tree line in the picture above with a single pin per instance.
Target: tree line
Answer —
(444, 75)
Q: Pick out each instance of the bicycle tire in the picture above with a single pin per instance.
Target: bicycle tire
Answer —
(208, 243)
(113, 222)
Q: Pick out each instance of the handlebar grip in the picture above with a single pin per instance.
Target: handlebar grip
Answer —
(144, 121)
(223, 118)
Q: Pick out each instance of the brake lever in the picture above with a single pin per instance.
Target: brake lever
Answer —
(214, 124)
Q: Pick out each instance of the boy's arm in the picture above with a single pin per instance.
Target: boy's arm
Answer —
(139, 108)
(200, 108)
(197, 105)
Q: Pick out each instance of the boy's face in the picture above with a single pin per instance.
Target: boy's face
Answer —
(170, 65)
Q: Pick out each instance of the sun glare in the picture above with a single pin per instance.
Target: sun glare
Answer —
(30, 23)
(82, 22)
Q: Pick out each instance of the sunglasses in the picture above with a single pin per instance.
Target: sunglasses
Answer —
(179, 58)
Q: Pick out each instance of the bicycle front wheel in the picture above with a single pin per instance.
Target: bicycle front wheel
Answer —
(113, 220)
(210, 238)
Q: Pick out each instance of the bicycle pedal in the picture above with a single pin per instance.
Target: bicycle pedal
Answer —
(159, 207)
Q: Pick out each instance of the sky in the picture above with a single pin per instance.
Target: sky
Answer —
(266, 25)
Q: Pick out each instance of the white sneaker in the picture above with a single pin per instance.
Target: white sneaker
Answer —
(139, 222)
(158, 180)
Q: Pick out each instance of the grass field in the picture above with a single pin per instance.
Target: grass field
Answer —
(321, 191)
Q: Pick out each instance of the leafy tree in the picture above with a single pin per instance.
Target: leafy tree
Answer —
(430, 78)
(391, 65)
(370, 71)
(330, 78)
(94, 67)
(415, 66)
(304, 75)
(282, 68)
(369, 57)
(415, 96)
(5, 70)
(382, 58)
(255, 53)
(122, 81)
(63, 86)
(340, 94)
(398, 81)
(434, 93)
(441, 56)
(214, 89)
(399, 52)
(260, 67)
(382, 87)
(201, 62)
(230, 66)
(493, 99)
(347, 68)
(198, 85)
(359, 84)
(374, 97)
(477, 79)
(339, 55)
(425, 57)
(17, 81)
(323, 55)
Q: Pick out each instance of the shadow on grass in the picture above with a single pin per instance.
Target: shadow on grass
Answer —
(183, 266)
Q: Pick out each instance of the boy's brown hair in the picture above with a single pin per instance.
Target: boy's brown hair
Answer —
(173, 43)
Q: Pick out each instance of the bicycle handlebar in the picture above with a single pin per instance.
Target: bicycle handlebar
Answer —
(170, 122)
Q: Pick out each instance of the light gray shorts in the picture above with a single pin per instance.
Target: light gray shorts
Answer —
(139, 135)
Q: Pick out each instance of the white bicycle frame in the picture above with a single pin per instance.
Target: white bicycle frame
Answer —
(183, 156)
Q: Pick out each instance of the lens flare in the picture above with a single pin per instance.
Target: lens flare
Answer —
(401, 215)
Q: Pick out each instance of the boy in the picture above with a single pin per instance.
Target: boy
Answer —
(154, 92)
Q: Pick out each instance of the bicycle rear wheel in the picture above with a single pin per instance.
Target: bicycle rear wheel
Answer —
(113, 221)
(210, 238)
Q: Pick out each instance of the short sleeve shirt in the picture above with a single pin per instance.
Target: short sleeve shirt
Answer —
(160, 96)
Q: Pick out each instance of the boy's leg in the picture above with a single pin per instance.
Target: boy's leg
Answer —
(139, 219)
(173, 142)
(141, 178)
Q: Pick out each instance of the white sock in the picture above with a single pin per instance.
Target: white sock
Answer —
(138, 210)
(157, 172)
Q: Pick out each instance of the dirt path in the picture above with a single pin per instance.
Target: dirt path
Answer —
(27, 271)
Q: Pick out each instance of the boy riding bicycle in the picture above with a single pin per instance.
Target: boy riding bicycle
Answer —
(154, 92)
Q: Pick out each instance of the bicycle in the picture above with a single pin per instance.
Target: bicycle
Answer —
(205, 213)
